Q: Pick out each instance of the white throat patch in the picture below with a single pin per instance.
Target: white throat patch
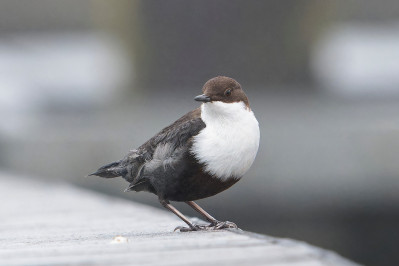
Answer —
(227, 146)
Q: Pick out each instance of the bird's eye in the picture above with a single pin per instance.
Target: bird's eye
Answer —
(227, 92)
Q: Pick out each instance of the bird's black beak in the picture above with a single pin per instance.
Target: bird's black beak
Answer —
(202, 98)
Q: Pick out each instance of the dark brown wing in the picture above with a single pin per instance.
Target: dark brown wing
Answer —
(176, 135)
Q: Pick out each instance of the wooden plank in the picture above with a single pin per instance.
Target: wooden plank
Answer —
(56, 224)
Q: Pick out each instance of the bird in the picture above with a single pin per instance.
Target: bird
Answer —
(203, 153)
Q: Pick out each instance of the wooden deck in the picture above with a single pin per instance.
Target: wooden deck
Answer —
(48, 224)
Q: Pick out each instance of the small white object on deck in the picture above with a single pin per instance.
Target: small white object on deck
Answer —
(119, 240)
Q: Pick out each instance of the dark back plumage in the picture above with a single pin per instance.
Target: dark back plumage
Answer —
(158, 154)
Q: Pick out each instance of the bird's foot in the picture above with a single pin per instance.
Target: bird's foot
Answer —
(216, 225)
(195, 227)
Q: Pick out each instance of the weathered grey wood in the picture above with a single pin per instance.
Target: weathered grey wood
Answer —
(42, 224)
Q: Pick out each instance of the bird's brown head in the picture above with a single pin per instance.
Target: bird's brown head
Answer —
(223, 89)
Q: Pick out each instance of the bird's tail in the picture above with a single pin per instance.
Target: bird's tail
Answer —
(110, 170)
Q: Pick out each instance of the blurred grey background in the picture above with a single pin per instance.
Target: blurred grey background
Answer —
(83, 82)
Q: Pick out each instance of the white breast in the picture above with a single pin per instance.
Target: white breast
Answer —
(227, 146)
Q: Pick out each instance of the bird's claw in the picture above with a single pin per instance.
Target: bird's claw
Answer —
(223, 225)
(217, 225)
(195, 227)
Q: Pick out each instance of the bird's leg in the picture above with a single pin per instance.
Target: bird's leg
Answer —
(207, 216)
(215, 224)
(192, 227)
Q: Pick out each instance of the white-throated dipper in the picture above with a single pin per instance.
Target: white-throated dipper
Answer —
(203, 153)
